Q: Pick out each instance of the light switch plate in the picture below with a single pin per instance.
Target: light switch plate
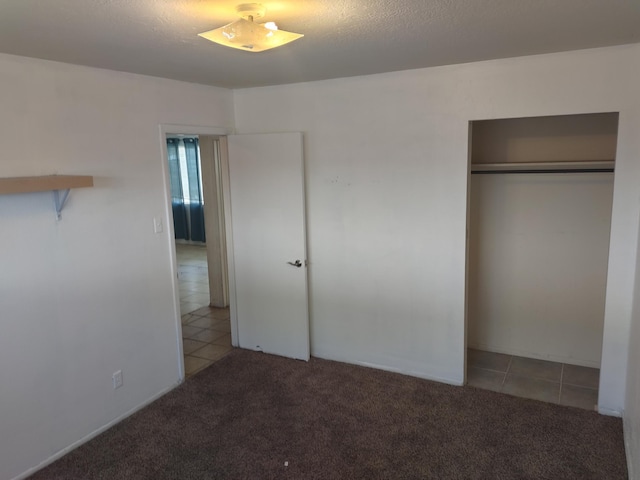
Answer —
(157, 225)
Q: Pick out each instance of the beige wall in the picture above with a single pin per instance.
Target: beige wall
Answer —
(538, 253)
(563, 138)
(92, 293)
(387, 178)
(387, 202)
(632, 410)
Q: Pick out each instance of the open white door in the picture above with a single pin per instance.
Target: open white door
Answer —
(266, 179)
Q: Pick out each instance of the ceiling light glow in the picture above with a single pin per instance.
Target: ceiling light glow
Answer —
(245, 34)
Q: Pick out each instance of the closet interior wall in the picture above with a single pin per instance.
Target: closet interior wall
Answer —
(539, 242)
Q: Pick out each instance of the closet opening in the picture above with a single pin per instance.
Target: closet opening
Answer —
(540, 199)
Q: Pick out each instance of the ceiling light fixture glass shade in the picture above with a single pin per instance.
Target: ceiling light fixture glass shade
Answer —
(245, 34)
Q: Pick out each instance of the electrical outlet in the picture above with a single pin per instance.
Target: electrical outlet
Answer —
(117, 379)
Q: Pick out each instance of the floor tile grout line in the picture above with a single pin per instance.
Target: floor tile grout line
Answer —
(212, 324)
(471, 365)
(504, 380)
(212, 361)
(209, 362)
(578, 385)
(201, 329)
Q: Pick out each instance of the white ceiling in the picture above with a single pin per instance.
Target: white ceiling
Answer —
(342, 37)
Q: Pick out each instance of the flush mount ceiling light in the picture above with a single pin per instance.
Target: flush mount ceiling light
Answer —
(245, 34)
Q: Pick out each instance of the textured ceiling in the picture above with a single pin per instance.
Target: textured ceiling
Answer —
(342, 37)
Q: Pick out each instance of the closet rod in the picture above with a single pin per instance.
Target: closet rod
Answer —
(547, 170)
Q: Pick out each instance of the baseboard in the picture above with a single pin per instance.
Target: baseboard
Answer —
(522, 353)
(95, 433)
(608, 412)
(403, 371)
(628, 448)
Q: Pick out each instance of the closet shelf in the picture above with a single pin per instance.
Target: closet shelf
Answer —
(60, 185)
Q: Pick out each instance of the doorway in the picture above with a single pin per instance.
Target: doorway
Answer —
(541, 192)
(199, 246)
(265, 283)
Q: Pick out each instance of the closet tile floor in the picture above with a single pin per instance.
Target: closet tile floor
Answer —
(552, 382)
(206, 331)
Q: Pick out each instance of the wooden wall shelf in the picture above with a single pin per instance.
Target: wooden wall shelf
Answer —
(43, 183)
(60, 185)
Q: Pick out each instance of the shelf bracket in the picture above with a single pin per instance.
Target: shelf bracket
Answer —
(59, 200)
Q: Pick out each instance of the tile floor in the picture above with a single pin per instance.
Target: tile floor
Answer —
(537, 379)
(193, 275)
(206, 331)
(206, 338)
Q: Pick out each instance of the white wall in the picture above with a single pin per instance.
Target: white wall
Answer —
(91, 294)
(387, 194)
(538, 253)
(632, 410)
(387, 198)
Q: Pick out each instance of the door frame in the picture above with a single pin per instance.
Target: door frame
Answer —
(210, 159)
(220, 133)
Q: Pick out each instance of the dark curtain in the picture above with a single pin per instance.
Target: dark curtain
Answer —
(196, 205)
(177, 200)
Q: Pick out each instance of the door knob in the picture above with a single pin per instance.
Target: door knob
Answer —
(297, 264)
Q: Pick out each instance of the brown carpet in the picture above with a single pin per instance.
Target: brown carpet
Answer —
(248, 414)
